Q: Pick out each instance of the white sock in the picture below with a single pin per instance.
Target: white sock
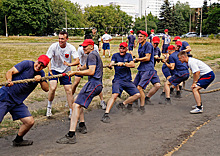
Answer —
(49, 104)
(70, 111)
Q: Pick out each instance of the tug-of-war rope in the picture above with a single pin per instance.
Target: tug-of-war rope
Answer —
(106, 66)
(203, 92)
(33, 80)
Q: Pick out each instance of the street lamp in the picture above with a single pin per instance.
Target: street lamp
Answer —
(65, 18)
(6, 29)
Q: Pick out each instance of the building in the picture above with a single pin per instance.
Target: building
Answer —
(130, 9)
(152, 6)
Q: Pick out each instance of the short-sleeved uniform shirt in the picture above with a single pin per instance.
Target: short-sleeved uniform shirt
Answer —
(106, 37)
(166, 43)
(206, 73)
(181, 69)
(11, 98)
(151, 37)
(142, 51)
(156, 52)
(184, 45)
(94, 85)
(58, 55)
(19, 92)
(131, 40)
(122, 78)
(146, 72)
(122, 73)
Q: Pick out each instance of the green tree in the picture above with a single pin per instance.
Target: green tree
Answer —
(212, 23)
(152, 22)
(2, 17)
(26, 17)
(165, 18)
(56, 19)
(109, 18)
(180, 16)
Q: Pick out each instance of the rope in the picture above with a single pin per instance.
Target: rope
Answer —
(107, 66)
(33, 80)
(201, 92)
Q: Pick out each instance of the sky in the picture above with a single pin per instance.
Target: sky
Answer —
(192, 3)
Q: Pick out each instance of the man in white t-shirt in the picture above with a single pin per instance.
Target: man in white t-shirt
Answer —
(106, 38)
(61, 54)
(202, 77)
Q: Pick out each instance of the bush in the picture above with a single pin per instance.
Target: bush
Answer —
(217, 36)
(211, 36)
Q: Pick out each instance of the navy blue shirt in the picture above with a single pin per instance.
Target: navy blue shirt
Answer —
(184, 45)
(94, 59)
(179, 67)
(147, 48)
(156, 52)
(151, 37)
(122, 73)
(19, 92)
(131, 39)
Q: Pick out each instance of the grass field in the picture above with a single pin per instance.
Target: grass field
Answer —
(15, 49)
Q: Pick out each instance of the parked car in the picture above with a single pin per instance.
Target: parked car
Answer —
(159, 34)
(190, 34)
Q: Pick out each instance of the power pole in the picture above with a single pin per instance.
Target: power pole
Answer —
(65, 18)
(145, 21)
(190, 21)
(6, 29)
(201, 24)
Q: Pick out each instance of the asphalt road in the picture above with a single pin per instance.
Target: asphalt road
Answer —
(163, 129)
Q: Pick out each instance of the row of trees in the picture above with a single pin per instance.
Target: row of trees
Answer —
(44, 17)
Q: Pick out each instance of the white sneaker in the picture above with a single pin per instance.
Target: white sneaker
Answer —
(49, 113)
(103, 105)
(193, 107)
(196, 110)
(103, 56)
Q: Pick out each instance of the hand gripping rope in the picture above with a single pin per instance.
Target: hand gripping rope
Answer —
(33, 80)
(201, 92)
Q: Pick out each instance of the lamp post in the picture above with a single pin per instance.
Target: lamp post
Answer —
(201, 24)
(6, 29)
(65, 18)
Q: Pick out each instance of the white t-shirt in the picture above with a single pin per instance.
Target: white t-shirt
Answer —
(106, 37)
(197, 65)
(58, 55)
(83, 56)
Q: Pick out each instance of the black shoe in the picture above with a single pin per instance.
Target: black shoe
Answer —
(162, 95)
(23, 143)
(171, 91)
(105, 118)
(166, 101)
(129, 108)
(67, 140)
(141, 109)
(147, 101)
(120, 106)
(82, 129)
(178, 94)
